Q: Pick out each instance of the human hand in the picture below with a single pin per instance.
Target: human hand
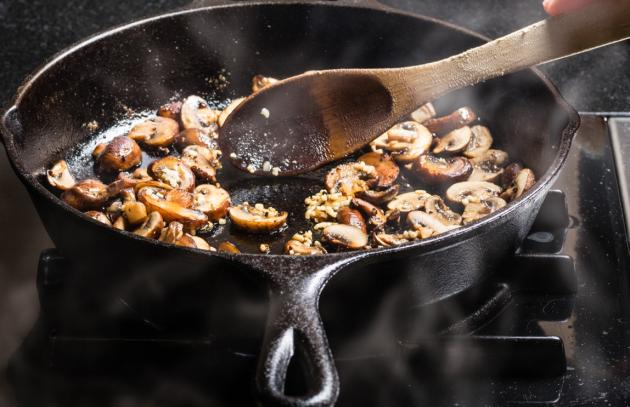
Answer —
(556, 7)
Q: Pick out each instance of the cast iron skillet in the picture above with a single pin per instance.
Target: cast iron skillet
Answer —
(143, 64)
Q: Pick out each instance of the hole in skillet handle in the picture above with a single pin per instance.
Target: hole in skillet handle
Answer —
(12, 127)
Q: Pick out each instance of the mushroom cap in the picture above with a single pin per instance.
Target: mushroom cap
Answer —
(350, 178)
(211, 200)
(386, 169)
(480, 142)
(170, 110)
(172, 171)
(444, 124)
(472, 191)
(59, 176)
(477, 210)
(454, 141)
(155, 201)
(488, 166)
(409, 201)
(196, 114)
(352, 217)
(379, 197)
(376, 216)
(155, 132)
(198, 137)
(523, 181)
(86, 194)
(433, 170)
(346, 236)
(121, 154)
(151, 227)
(435, 206)
(420, 220)
(202, 161)
(256, 219)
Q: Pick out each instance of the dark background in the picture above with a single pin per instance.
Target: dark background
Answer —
(32, 31)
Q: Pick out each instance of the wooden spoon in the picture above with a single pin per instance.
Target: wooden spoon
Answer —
(303, 122)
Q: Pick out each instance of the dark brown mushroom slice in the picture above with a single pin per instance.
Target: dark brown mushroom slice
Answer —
(454, 141)
(375, 216)
(198, 137)
(257, 218)
(155, 201)
(86, 194)
(228, 247)
(435, 206)
(379, 197)
(121, 154)
(151, 227)
(488, 166)
(172, 171)
(509, 173)
(478, 210)
(480, 142)
(472, 191)
(351, 178)
(433, 170)
(170, 110)
(345, 236)
(99, 216)
(211, 200)
(201, 161)
(352, 217)
(228, 110)
(259, 82)
(423, 113)
(296, 248)
(522, 183)
(155, 132)
(59, 176)
(409, 201)
(197, 114)
(445, 124)
(386, 169)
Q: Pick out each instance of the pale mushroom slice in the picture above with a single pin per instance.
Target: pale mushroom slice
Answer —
(351, 178)
(433, 170)
(155, 132)
(435, 206)
(86, 194)
(488, 166)
(259, 82)
(120, 154)
(523, 181)
(409, 201)
(352, 217)
(480, 142)
(477, 210)
(59, 176)
(170, 110)
(172, 171)
(405, 141)
(428, 225)
(155, 201)
(202, 161)
(99, 216)
(386, 169)
(345, 236)
(459, 118)
(454, 141)
(228, 110)
(423, 113)
(257, 218)
(211, 200)
(472, 191)
(196, 114)
(151, 227)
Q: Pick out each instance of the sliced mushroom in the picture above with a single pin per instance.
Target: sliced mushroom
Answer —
(488, 166)
(376, 217)
(477, 210)
(211, 200)
(198, 137)
(296, 248)
(435, 206)
(198, 242)
(454, 141)
(428, 225)
(472, 191)
(345, 236)
(120, 223)
(379, 197)
(125, 181)
(433, 170)
(99, 216)
(352, 217)
(59, 176)
(480, 142)
(151, 227)
(134, 212)
(509, 174)
(170, 110)
(228, 110)
(351, 178)
(409, 201)
(98, 150)
(155, 132)
(424, 113)
(387, 239)
(523, 181)
(259, 82)
(180, 197)
(172, 171)
(121, 154)
(202, 161)
(196, 114)
(406, 141)
(257, 218)
(155, 201)
(228, 247)
(445, 124)
(386, 169)
(86, 194)
(172, 233)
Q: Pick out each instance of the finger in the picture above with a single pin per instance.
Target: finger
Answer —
(556, 7)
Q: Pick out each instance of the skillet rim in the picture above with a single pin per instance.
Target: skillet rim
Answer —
(430, 244)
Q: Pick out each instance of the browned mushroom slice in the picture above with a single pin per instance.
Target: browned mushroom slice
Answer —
(296, 248)
(435, 206)
(433, 170)
(257, 218)
(351, 217)
(386, 239)
(172, 171)
(351, 178)
(198, 137)
(376, 216)
(155, 201)
(151, 227)
(428, 225)
(480, 142)
(386, 169)
(523, 181)
(424, 113)
(125, 181)
(454, 141)
(445, 124)
(170, 110)
(121, 154)
(99, 216)
(509, 174)
(202, 161)
(98, 150)
(406, 141)
(199, 242)
(409, 201)
(59, 176)
(379, 197)
(196, 114)
(488, 166)
(477, 210)
(472, 191)
(86, 194)
(259, 82)
(180, 197)
(155, 132)
(345, 236)
(172, 233)
(228, 247)
(120, 223)
(134, 212)
(228, 110)
(211, 200)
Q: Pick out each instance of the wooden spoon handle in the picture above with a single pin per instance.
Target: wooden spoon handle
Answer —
(601, 23)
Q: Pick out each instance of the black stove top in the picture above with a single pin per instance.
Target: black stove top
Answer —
(550, 329)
